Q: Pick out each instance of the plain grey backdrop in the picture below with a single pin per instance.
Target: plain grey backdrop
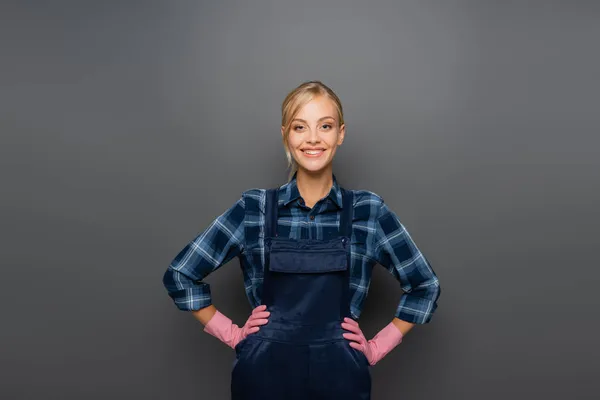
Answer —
(128, 126)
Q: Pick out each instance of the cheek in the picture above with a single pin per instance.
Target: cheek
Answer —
(293, 141)
(333, 143)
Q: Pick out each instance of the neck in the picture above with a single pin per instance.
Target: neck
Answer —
(313, 186)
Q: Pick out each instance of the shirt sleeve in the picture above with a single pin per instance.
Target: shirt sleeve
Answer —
(396, 251)
(221, 241)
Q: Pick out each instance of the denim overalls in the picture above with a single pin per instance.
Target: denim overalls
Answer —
(300, 354)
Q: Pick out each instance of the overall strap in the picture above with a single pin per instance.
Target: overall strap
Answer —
(271, 204)
(347, 213)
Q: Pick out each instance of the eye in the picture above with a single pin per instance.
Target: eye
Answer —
(298, 127)
(327, 125)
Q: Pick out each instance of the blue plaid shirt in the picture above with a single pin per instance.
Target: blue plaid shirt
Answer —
(378, 237)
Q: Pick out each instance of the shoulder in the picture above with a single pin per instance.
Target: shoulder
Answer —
(253, 194)
(366, 198)
(254, 198)
(367, 205)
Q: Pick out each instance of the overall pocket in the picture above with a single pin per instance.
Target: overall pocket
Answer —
(308, 261)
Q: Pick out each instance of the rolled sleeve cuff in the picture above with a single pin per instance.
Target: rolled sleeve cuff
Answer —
(192, 299)
(414, 309)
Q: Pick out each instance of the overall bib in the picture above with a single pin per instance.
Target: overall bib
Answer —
(300, 354)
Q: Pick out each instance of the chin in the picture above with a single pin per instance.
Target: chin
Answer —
(313, 166)
(313, 169)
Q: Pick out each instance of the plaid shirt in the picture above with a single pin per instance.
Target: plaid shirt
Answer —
(378, 237)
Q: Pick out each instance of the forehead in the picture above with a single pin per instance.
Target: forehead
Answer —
(318, 107)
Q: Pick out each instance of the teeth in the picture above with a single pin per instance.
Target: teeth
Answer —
(312, 151)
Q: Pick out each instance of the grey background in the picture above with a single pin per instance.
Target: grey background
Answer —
(127, 127)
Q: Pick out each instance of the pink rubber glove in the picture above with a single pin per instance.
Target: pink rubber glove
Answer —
(229, 333)
(376, 348)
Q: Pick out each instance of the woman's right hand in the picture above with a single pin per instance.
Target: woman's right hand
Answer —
(257, 318)
(229, 333)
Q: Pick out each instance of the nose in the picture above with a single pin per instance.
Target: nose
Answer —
(313, 136)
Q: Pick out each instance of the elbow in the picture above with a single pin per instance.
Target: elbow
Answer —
(435, 290)
(429, 290)
(167, 278)
(171, 280)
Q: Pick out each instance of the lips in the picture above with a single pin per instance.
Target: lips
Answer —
(313, 152)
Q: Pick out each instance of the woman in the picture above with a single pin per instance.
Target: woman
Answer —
(306, 250)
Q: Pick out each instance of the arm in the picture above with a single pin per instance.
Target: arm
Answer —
(215, 246)
(204, 314)
(403, 326)
(396, 251)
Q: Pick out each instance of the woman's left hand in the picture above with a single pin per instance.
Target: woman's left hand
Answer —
(358, 339)
(376, 348)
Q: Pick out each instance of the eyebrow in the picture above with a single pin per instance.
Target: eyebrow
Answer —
(320, 119)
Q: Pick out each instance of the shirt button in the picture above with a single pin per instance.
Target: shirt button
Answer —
(312, 217)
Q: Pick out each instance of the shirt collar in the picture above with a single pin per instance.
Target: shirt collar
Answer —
(289, 192)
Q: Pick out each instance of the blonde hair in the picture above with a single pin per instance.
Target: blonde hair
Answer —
(291, 106)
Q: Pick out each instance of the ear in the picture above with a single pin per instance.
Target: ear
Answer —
(342, 134)
(282, 131)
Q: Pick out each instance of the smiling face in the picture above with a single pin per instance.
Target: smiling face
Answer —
(315, 134)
